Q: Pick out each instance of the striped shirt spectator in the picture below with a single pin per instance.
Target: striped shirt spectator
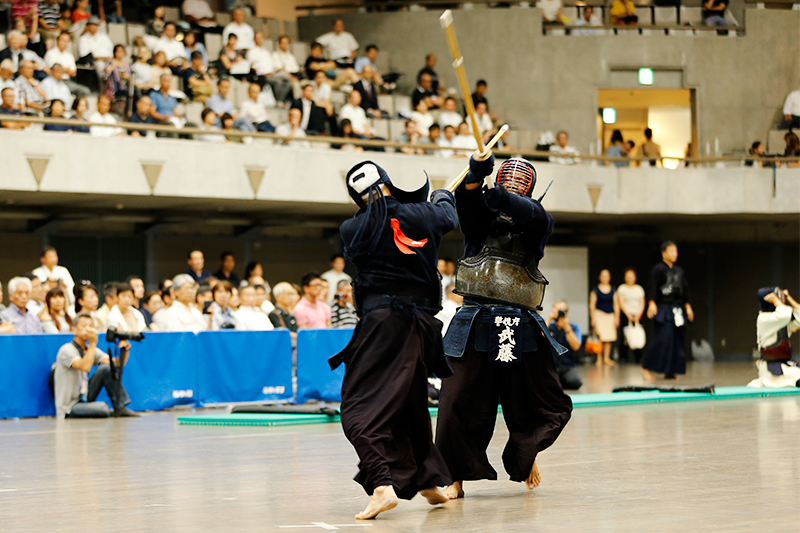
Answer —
(50, 12)
(343, 316)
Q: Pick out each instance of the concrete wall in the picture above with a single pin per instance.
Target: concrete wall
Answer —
(544, 83)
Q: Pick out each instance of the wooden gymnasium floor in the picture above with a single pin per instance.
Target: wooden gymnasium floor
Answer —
(707, 466)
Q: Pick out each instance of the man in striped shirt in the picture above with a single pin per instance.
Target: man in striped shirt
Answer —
(49, 13)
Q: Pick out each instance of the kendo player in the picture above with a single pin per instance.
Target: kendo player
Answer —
(498, 346)
(778, 318)
(394, 240)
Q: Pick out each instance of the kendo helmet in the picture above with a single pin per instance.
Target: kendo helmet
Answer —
(367, 177)
(517, 176)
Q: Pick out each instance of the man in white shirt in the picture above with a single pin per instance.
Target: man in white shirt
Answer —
(61, 54)
(450, 117)
(254, 111)
(250, 317)
(102, 115)
(97, 43)
(353, 111)
(293, 129)
(551, 11)
(182, 315)
(588, 18)
(561, 147)
(172, 48)
(199, 12)
(335, 275)
(55, 88)
(285, 62)
(482, 118)
(791, 110)
(51, 269)
(340, 45)
(465, 141)
(244, 32)
(263, 64)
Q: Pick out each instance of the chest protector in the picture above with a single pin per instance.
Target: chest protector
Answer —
(505, 271)
(780, 350)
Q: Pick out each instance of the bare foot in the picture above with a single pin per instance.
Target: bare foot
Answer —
(455, 490)
(434, 496)
(535, 478)
(382, 500)
(609, 362)
(599, 361)
(648, 376)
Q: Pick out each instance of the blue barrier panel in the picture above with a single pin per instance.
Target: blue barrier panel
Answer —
(162, 371)
(245, 366)
(315, 381)
(25, 362)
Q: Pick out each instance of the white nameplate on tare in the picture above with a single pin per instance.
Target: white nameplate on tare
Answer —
(273, 390)
(189, 393)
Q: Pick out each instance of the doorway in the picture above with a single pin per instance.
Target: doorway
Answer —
(669, 113)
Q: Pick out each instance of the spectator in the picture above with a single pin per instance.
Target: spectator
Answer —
(714, 13)
(232, 62)
(791, 110)
(251, 271)
(616, 149)
(151, 304)
(450, 117)
(485, 125)
(286, 297)
(76, 393)
(114, 14)
(551, 12)
(197, 83)
(124, 316)
(464, 140)
(167, 296)
(422, 118)
(411, 136)
(249, 316)
(57, 111)
(54, 316)
(286, 64)
(340, 45)
(137, 284)
(222, 315)
(348, 133)
(220, 104)
(479, 96)
(95, 47)
(110, 300)
(792, 148)
(86, 301)
(102, 115)
(55, 88)
(562, 147)
(628, 151)
(335, 274)
(447, 142)
(191, 45)
(29, 88)
(604, 314)
(569, 336)
(7, 81)
(38, 292)
(182, 315)
(158, 69)
(24, 322)
(173, 49)
(227, 262)
(255, 112)
(293, 129)
(79, 108)
(651, 149)
(264, 68)
(243, 31)
(26, 11)
(164, 106)
(50, 269)
(588, 18)
(369, 92)
(199, 13)
(623, 12)
(424, 91)
(8, 108)
(15, 51)
(434, 133)
(630, 305)
(142, 71)
(315, 63)
(117, 74)
(49, 13)
(343, 313)
(430, 65)
(449, 306)
(312, 116)
(80, 11)
(323, 293)
(353, 111)
(61, 54)
(757, 150)
(309, 311)
(141, 116)
(65, 21)
(197, 262)
(155, 26)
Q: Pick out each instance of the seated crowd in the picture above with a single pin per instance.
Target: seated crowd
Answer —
(47, 300)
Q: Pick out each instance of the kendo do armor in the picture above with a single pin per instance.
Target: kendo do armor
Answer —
(506, 270)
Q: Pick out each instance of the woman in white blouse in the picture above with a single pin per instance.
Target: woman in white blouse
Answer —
(630, 306)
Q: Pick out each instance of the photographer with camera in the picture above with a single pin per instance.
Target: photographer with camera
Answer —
(569, 336)
(76, 393)
(343, 312)
(778, 318)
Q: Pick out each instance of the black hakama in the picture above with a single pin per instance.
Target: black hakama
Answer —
(667, 349)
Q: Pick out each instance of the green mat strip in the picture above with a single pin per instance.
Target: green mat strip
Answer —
(578, 400)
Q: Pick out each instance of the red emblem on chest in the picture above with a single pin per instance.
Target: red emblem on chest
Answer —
(403, 243)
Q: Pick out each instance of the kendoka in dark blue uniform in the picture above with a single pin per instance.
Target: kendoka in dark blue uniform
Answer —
(394, 241)
(499, 347)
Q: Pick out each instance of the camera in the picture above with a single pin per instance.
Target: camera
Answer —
(561, 313)
(113, 336)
